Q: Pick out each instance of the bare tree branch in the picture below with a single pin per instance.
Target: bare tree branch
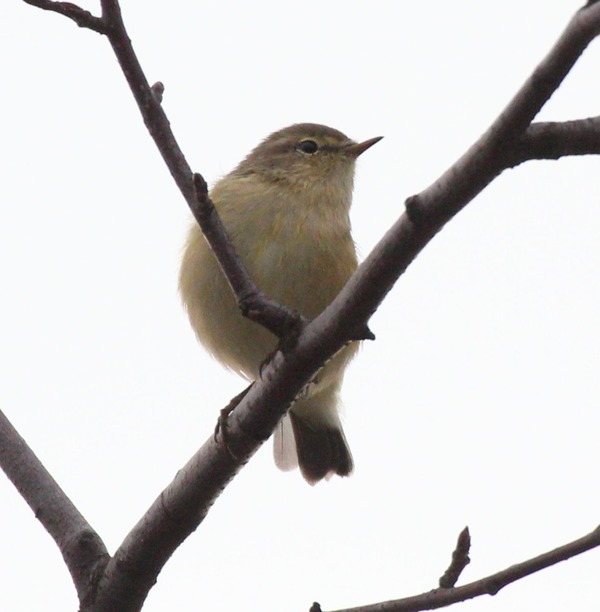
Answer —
(252, 302)
(82, 549)
(440, 598)
(430, 210)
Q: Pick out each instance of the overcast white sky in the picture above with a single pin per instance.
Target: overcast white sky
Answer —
(478, 403)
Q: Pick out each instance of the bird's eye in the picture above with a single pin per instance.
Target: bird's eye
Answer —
(308, 146)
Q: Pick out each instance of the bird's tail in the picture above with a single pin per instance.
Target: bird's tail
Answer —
(313, 440)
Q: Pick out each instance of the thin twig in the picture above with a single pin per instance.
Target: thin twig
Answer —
(83, 18)
(490, 585)
(253, 303)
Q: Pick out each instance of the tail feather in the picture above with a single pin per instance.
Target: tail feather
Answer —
(322, 450)
(284, 446)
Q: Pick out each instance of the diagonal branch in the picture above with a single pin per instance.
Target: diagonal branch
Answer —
(440, 598)
(252, 302)
(430, 210)
(82, 549)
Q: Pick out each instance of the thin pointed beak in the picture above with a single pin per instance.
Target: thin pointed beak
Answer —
(358, 148)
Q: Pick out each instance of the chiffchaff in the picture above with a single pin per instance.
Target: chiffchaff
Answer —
(286, 209)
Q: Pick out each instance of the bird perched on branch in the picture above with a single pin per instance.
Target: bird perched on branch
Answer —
(286, 210)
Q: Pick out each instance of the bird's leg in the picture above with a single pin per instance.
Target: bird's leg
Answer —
(221, 426)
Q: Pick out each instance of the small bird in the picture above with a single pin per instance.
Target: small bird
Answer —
(286, 210)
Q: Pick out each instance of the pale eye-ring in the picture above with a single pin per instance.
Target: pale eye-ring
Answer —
(308, 146)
